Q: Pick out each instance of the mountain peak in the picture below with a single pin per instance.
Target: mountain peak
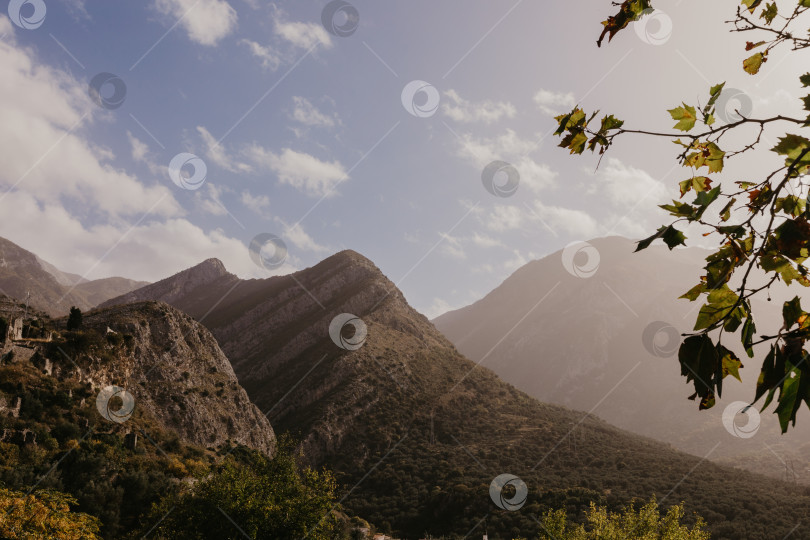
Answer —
(209, 267)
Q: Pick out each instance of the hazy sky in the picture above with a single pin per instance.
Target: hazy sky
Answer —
(306, 134)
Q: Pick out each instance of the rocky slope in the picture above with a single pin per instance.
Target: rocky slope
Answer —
(416, 432)
(22, 274)
(175, 370)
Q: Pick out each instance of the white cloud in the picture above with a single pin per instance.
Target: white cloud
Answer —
(270, 59)
(53, 233)
(289, 39)
(205, 21)
(568, 220)
(304, 172)
(452, 246)
(462, 110)
(482, 240)
(42, 115)
(306, 113)
(139, 148)
(504, 218)
(554, 103)
(209, 200)
(256, 203)
(216, 153)
(303, 35)
(299, 238)
(625, 184)
(70, 205)
(513, 149)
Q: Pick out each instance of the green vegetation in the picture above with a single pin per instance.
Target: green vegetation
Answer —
(726, 209)
(43, 515)
(264, 498)
(645, 523)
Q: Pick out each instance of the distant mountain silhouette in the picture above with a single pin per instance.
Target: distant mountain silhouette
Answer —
(580, 342)
(23, 273)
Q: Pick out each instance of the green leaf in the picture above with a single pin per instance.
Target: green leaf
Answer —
(685, 115)
(693, 293)
(731, 364)
(751, 4)
(747, 337)
(720, 303)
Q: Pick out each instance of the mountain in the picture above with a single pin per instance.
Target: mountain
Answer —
(68, 423)
(570, 339)
(25, 276)
(417, 432)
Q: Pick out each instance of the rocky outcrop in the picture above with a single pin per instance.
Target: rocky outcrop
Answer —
(175, 370)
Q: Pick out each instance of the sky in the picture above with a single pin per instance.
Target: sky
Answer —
(140, 138)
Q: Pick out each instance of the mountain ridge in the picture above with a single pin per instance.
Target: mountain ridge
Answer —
(407, 418)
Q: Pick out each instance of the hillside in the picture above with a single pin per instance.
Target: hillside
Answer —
(187, 411)
(25, 276)
(417, 432)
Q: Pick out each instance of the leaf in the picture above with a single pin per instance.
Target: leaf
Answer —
(751, 4)
(771, 374)
(797, 150)
(693, 293)
(752, 64)
(685, 115)
(791, 311)
(720, 303)
(770, 12)
(629, 11)
(699, 360)
(730, 363)
(747, 335)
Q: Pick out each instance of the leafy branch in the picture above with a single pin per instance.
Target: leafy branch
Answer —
(778, 243)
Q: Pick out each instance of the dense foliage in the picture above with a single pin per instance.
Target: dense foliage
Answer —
(645, 523)
(761, 223)
(259, 497)
(43, 515)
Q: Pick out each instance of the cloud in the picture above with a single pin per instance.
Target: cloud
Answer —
(209, 200)
(302, 171)
(624, 184)
(303, 35)
(70, 204)
(205, 21)
(256, 203)
(307, 114)
(217, 154)
(461, 110)
(103, 250)
(290, 38)
(504, 218)
(567, 220)
(554, 103)
(482, 240)
(513, 149)
(452, 246)
(296, 236)
(270, 59)
(43, 112)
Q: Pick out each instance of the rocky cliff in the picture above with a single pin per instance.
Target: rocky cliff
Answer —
(175, 370)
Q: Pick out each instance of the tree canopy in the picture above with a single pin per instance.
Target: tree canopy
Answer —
(645, 522)
(753, 223)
